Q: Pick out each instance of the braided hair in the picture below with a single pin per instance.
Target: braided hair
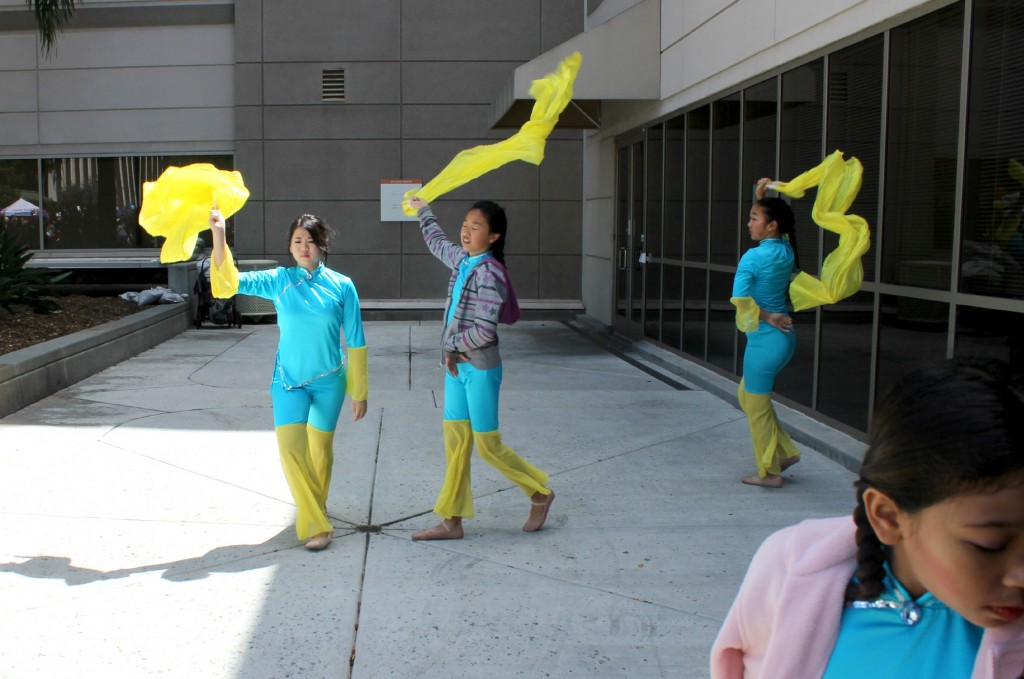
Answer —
(497, 222)
(779, 211)
(943, 430)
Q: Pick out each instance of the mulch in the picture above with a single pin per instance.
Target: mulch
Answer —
(77, 312)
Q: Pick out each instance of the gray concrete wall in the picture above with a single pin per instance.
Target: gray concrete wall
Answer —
(245, 77)
(419, 78)
(121, 80)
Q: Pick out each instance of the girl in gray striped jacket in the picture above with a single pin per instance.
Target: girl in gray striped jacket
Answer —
(478, 293)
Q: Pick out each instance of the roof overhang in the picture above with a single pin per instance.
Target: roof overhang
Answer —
(621, 62)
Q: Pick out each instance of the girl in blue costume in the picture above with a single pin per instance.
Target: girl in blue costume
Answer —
(926, 579)
(315, 305)
(477, 291)
(759, 293)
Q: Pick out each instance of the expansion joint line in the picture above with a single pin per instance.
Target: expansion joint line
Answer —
(368, 529)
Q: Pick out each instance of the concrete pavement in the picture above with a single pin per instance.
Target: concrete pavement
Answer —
(146, 527)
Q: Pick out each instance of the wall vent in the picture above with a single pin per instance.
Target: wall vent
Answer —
(333, 85)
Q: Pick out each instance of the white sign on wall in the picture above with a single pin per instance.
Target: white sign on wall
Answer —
(391, 193)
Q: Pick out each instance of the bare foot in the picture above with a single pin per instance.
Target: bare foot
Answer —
(539, 505)
(446, 530)
(788, 462)
(769, 481)
(318, 542)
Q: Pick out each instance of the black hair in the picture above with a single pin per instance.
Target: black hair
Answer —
(317, 229)
(943, 430)
(497, 223)
(779, 211)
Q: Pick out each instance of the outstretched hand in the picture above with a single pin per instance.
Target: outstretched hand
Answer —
(416, 203)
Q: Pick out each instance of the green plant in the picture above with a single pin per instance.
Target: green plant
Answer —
(18, 285)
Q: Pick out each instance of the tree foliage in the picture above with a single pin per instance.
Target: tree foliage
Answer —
(18, 285)
(52, 17)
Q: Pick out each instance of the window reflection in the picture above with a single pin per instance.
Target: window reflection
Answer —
(800, 149)
(844, 375)
(725, 192)
(93, 203)
(920, 187)
(695, 290)
(911, 335)
(19, 199)
(992, 334)
(992, 249)
(855, 127)
(698, 153)
(722, 323)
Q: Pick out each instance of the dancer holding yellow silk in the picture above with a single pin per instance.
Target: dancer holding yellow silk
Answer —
(477, 292)
(314, 305)
(759, 294)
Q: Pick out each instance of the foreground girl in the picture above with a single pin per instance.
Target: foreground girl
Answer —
(927, 579)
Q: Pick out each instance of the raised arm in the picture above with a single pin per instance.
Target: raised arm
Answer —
(223, 273)
(442, 248)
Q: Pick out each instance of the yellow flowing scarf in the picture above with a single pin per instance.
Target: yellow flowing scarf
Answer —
(552, 94)
(842, 273)
(177, 205)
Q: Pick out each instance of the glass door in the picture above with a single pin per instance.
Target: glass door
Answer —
(630, 239)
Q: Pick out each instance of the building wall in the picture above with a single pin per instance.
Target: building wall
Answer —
(925, 98)
(123, 83)
(419, 79)
(710, 47)
(245, 79)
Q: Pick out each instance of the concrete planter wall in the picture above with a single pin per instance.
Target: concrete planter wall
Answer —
(36, 372)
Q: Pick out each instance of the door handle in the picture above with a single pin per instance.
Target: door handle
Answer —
(621, 259)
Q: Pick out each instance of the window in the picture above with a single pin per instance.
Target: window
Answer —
(992, 248)
(921, 150)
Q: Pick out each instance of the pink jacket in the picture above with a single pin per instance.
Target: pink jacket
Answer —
(785, 619)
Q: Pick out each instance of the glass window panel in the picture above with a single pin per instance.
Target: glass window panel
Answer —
(760, 103)
(991, 334)
(698, 184)
(695, 291)
(796, 380)
(622, 266)
(652, 300)
(855, 127)
(96, 201)
(921, 152)
(910, 335)
(675, 185)
(651, 238)
(637, 234)
(845, 360)
(725, 181)
(992, 251)
(800, 149)
(19, 179)
(672, 305)
(722, 323)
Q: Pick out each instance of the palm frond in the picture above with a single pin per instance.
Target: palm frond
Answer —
(52, 16)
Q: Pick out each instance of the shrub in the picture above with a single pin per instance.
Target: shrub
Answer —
(18, 285)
